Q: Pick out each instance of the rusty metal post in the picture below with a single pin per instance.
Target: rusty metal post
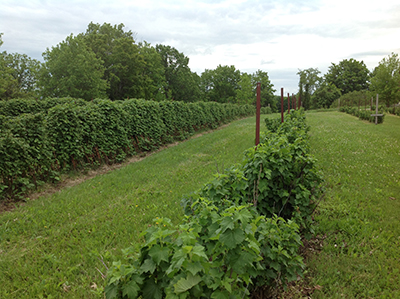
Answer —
(288, 103)
(282, 104)
(258, 113)
(293, 102)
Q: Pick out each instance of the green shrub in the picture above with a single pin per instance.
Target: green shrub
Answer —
(25, 155)
(266, 110)
(365, 114)
(241, 230)
(76, 134)
(215, 253)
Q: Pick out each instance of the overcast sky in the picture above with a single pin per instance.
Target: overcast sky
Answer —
(279, 37)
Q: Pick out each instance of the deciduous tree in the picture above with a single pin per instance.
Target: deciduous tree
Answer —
(267, 89)
(325, 95)
(221, 85)
(308, 83)
(153, 73)
(348, 75)
(18, 75)
(245, 94)
(123, 65)
(72, 69)
(386, 80)
(181, 82)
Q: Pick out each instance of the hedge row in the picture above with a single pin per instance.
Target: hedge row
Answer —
(364, 114)
(36, 147)
(240, 235)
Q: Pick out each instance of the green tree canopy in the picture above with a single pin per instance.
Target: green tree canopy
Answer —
(245, 94)
(181, 82)
(308, 83)
(153, 74)
(385, 80)
(221, 85)
(348, 75)
(267, 89)
(325, 95)
(72, 69)
(123, 65)
(18, 75)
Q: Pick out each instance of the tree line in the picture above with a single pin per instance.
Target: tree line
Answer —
(107, 62)
(351, 77)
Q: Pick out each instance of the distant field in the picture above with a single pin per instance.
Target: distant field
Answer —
(359, 220)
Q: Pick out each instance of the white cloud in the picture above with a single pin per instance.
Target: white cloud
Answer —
(275, 36)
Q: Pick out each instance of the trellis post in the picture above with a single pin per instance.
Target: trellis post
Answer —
(376, 111)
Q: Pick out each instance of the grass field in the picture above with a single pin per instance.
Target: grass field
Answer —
(359, 220)
(55, 246)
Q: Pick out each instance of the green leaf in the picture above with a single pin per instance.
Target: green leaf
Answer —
(199, 251)
(111, 291)
(131, 289)
(159, 254)
(226, 223)
(187, 283)
(194, 268)
(231, 238)
(148, 266)
(220, 295)
(151, 290)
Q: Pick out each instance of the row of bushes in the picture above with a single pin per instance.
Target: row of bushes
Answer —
(241, 232)
(364, 114)
(36, 147)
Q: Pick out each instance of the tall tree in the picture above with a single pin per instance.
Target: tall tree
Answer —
(267, 89)
(245, 94)
(385, 80)
(308, 83)
(7, 82)
(72, 69)
(348, 75)
(181, 84)
(325, 95)
(123, 65)
(18, 75)
(221, 85)
(153, 73)
(25, 70)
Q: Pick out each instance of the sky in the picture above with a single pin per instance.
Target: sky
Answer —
(280, 37)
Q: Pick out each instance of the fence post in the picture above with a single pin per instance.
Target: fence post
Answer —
(288, 103)
(282, 104)
(258, 113)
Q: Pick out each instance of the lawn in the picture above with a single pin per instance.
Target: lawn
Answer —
(359, 220)
(55, 246)
(58, 246)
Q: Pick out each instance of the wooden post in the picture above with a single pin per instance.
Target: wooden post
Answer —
(282, 104)
(258, 113)
(376, 111)
(288, 103)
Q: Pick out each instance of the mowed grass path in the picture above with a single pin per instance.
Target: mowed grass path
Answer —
(359, 220)
(52, 247)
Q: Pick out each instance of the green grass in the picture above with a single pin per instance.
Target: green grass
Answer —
(53, 247)
(359, 220)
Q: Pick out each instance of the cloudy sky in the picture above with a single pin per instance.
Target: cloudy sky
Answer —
(277, 36)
